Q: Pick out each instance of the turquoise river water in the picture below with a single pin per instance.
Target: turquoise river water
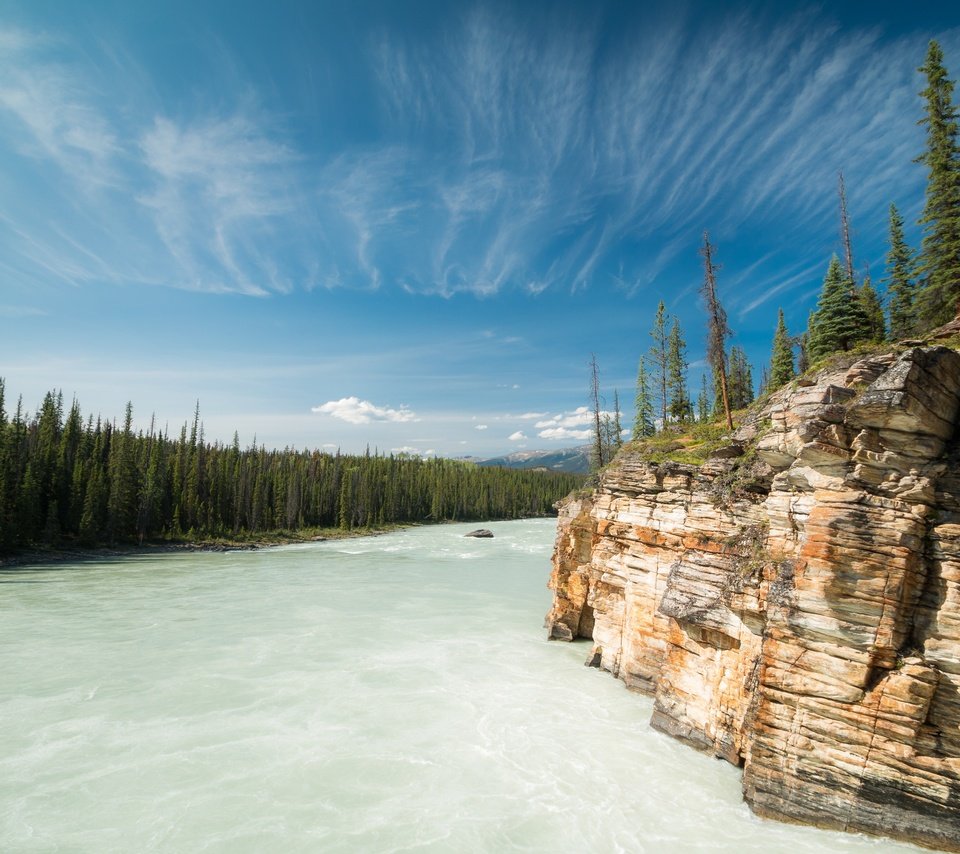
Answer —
(394, 693)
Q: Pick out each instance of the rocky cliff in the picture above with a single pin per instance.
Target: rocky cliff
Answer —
(793, 604)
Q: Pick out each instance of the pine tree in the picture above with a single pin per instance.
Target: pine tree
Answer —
(659, 357)
(803, 346)
(599, 445)
(839, 322)
(717, 329)
(939, 261)
(764, 381)
(899, 281)
(703, 401)
(643, 419)
(741, 379)
(680, 409)
(617, 427)
(781, 360)
(123, 487)
(875, 329)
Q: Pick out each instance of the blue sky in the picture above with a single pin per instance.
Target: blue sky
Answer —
(409, 224)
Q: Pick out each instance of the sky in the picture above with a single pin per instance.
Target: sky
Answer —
(408, 225)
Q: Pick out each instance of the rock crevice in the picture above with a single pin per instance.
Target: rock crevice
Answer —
(794, 607)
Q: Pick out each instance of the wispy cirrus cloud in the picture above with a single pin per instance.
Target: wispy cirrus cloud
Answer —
(221, 193)
(599, 157)
(503, 156)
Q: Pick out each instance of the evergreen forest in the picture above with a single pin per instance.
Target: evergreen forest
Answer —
(65, 480)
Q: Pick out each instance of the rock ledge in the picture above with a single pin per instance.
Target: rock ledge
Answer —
(796, 610)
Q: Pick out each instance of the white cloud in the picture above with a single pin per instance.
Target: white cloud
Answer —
(564, 433)
(580, 416)
(517, 437)
(480, 427)
(529, 416)
(356, 411)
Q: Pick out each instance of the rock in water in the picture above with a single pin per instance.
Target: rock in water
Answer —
(796, 610)
(482, 533)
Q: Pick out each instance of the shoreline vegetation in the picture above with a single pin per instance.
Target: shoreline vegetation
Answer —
(70, 483)
(64, 553)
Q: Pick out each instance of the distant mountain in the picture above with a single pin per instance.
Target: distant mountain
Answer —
(574, 460)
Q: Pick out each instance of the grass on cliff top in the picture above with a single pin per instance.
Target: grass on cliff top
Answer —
(690, 443)
(694, 442)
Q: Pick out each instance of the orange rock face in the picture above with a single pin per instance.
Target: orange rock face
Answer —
(796, 610)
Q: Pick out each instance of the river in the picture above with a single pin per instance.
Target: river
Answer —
(393, 693)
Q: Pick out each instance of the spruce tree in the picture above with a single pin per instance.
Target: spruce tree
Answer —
(875, 329)
(803, 346)
(741, 379)
(599, 445)
(680, 408)
(939, 261)
(659, 351)
(839, 322)
(617, 426)
(781, 360)
(643, 419)
(899, 281)
(703, 401)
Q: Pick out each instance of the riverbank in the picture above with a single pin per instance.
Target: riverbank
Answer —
(76, 553)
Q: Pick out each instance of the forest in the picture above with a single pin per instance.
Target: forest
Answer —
(66, 480)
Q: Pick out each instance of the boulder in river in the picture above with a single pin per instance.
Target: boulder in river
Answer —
(482, 533)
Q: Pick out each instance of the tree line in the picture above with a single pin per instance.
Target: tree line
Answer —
(922, 291)
(65, 480)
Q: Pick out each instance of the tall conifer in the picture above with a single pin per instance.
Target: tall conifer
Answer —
(939, 261)
(643, 419)
(875, 329)
(741, 379)
(617, 426)
(659, 351)
(899, 281)
(680, 408)
(703, 401)
(839, 322)
(781, 360)
(597, 454)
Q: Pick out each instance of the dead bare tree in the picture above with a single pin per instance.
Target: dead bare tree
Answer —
(845, 231)
(717, 329)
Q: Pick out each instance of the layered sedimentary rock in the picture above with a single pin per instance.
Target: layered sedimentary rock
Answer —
(793, 605)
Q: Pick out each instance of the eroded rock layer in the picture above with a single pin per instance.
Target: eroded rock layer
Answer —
(795, 609)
